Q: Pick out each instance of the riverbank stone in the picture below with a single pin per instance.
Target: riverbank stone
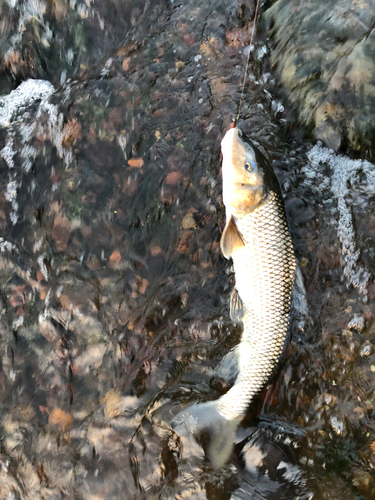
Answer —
(323, 55)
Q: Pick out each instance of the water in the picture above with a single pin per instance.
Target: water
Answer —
(114, 293)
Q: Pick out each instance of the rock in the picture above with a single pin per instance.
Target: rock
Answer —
(324, 56)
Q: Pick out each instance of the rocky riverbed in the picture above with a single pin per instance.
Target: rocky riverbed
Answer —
(114, 293)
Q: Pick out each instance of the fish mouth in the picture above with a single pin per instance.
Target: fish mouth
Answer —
(231, 138)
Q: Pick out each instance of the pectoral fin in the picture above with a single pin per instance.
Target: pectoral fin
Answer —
(236, 307)
(231, 239)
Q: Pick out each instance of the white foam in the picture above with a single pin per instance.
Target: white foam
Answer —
(24, 95)
(7, 246)
(341, 176)
(27, 113)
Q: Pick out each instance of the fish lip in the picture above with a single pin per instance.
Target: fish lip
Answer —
(234, 138)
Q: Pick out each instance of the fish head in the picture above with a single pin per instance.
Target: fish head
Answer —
(243, 175)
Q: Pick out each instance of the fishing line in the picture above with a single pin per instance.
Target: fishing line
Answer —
(247, 63)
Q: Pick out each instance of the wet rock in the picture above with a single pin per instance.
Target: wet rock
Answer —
(366, 349)
(114, 293)
(53, 40)
(269, 470)
(364, 482)
(323, 55)
(47, 328)
(298, 211)
(357, 322)
(338, 426)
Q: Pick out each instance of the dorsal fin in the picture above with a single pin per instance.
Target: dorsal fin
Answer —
(231, 239)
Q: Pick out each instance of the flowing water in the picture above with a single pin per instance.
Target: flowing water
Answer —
(114, 294)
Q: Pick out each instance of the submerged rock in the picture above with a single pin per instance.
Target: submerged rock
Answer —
(114, 294)
(324, 56)
(61, 39)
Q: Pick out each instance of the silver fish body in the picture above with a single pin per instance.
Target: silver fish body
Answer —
(257, 238)
(265, 271)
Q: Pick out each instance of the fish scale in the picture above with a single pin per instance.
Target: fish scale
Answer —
(264, 270)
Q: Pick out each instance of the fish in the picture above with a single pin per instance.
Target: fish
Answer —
(257, 238)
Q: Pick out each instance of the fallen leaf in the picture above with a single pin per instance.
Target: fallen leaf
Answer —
(71, 133)
(125, 63)
(172, 178)
(143, 285)
(207, 46)
(60, 418)
(114, 259)
(112, 404)
(136, 162)
(239, 37)
(55, 207)
(188, 221)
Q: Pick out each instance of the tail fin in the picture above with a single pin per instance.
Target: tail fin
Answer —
(206, 418)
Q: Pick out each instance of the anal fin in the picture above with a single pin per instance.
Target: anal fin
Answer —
(236, 307)
(231, 239)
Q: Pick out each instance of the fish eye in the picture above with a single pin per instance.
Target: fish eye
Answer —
(250, 166)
